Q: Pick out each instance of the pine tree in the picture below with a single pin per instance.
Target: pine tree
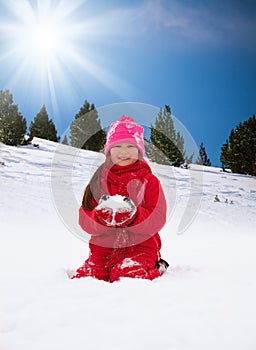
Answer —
(86, 131)
(12, 124)
(225, 155)
(43, 127)
(180, 149)
(203, 158)
(239, 151)
(65, 140)
(166, 145)
(189, 160)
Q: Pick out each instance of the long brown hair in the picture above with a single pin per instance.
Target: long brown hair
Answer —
(88, 195)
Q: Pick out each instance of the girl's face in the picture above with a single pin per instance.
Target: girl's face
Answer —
(124, 154)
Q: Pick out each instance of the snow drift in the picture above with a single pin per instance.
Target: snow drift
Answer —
(205, 300)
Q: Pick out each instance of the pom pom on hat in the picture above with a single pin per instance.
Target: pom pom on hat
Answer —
(125, 130)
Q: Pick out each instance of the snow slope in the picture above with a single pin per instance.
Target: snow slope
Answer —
(206, 299)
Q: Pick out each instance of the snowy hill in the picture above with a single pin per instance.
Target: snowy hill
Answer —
(206, 299)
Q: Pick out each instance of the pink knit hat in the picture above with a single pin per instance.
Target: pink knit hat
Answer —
(125, 130)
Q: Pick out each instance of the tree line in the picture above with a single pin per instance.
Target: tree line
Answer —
(13, 126)
(164, 145)
(238, 153)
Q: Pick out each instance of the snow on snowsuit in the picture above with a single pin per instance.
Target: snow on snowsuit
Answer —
(133, 250)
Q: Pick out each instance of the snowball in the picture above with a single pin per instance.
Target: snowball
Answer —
(115, 203)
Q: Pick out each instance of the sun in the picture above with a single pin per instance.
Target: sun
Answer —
(40, 37)
(45, 40)
(50, 51)
(41, 47)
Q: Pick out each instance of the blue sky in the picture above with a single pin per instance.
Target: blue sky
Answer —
(197, 56)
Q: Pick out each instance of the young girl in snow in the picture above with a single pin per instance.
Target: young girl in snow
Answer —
(123, 208)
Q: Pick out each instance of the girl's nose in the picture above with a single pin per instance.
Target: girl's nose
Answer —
(123, 151)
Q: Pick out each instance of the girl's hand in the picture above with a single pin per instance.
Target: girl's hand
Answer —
(105, 216)
(125, 216)
(115, 211)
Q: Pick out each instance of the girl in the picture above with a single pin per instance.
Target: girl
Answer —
(123, 208)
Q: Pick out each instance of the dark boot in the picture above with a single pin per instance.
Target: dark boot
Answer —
(161, 266)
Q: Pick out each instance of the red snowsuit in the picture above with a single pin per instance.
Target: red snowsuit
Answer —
(130, 251)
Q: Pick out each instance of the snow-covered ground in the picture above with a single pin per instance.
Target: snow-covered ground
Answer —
(206, 299)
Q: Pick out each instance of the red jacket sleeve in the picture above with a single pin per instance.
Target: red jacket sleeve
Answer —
(151, 215)
(89, 222)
